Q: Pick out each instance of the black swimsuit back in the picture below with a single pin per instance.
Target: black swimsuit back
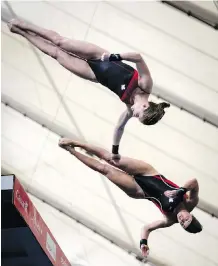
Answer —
(154, 188)
(114, 75)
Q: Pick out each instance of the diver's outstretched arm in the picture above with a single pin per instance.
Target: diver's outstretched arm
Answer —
(147, 229)
(118, 132)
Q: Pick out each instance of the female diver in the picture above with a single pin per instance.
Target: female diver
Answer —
(95, 64)
(140, 180)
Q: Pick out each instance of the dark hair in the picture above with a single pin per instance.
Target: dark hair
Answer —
(194, 227)
(154, 113)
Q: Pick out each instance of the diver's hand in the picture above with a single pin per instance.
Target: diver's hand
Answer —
(111, 57)
(170, 193)
(115, 157)
(105, 57)
(180, 192)
(145, 250)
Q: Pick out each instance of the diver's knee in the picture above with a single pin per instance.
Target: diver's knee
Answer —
(107, 157)
(55, 52)
(57, 39)
(103, 169)
(61, 41)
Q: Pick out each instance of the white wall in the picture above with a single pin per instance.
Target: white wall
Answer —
(182, 56)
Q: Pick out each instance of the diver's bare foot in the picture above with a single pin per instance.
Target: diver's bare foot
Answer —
(16, 29)
(18, 23)
(13, 22)
(68, 142)
(68, 148)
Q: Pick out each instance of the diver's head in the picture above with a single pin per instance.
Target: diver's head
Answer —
(152, 113)
(189, 222)
(139, 108)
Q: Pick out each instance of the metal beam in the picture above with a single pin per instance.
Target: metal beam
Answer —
(187, 106)
(193, 10)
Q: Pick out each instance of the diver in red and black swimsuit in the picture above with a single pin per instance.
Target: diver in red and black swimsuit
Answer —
(117, 76)
(140, 180)
(94, 63)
